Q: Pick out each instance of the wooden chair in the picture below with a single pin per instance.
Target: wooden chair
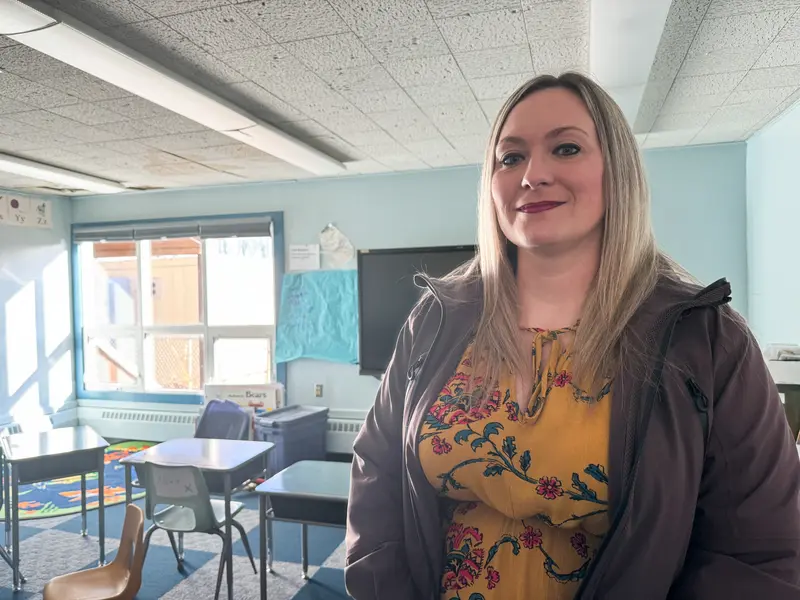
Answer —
(118, 580)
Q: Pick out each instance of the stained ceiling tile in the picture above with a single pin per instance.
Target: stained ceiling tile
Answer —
(507, 59)
(220, 29)
(220, 153)
(754, 29)
(478, 31)
(433, 95)
(780, 54)
(723, 8)
(328, 53)
(289, 20)
(163, 8)
(771, 77)
(380, 100)
(555, 56)
(441, 9)
(433, 70)
(558, 19)
(403, 43)
(88, 114)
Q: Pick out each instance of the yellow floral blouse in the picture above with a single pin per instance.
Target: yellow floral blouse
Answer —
(531, 485)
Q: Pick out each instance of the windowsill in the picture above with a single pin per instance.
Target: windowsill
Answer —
(195, 399)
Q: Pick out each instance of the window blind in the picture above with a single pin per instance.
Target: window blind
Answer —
(202, 228)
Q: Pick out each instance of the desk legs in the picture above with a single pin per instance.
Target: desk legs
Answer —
(228, 536)
(84, 529)
(262, 544)
(7, 496)
(304, 548)
(101, 505)
(15, 527)
(128, 485)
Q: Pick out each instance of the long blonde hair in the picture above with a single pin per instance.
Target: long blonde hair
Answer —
(629, 262)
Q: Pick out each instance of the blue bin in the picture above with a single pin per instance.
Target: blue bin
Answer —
(298, 433)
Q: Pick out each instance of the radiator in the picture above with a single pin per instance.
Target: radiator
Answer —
(343, 426)
(137, 424)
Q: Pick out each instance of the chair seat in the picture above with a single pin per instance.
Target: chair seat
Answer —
(101, 583)
(179, 518)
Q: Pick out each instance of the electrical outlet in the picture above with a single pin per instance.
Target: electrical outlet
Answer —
(318, 390)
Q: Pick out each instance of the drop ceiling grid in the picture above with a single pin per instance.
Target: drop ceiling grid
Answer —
(724, 69)
(387, 85)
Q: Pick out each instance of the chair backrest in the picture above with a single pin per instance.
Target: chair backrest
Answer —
(130, 554)
(223, 420)
(179, 485)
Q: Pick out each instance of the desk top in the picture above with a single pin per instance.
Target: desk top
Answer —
(205, 454)
(19, 447)
(312, 479)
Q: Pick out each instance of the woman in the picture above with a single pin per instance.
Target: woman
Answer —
(568, 416)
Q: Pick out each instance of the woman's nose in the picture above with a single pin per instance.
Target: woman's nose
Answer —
(537, 174)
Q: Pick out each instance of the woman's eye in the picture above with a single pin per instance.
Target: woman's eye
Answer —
(510, 159)
(566, 150)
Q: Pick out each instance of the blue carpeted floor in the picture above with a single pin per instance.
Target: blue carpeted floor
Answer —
(51, 547)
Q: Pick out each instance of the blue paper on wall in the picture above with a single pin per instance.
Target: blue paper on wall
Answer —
(318, 317)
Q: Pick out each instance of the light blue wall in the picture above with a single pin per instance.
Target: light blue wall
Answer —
(36, 367)
(773, 211)
(438, 208)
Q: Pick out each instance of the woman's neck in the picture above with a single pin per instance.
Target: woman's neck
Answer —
(552, 286)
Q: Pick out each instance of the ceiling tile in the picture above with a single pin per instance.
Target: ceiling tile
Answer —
(337, 148)
(134, 107)
(714, 135)
(186, 141)
(380, 100)
(365, 78)
(34, 140)
(676, 104)
(386, 149)
(7, 105)
(84, 86)
(403, 162)
(263, 61)
(555, 56)
(441, 9)
(142, 128)
(682, 121)
(102, 14)
(765, 99)
(331, 52)
(687, 12)
(434, 70)
(459, 119)
(260, 103)
(500, 61)
(471, 147)
(478, 31)
(501, 86)
(57, 157)
(780, 54)
(370, 18)
(754, 29)
(88, 114)
(163, 8)
(289, 20)
(15, 127)
(492, 107)
(30, 64)
(7, 42)
(372, 138)
(771, 77)
(675, 43)
(402, 43)
(726, 60)
(433, 95)
(125, 147)
(406, 125)
(791, 30)
(721, 83)
(349, 122)
(559, 19)
(737, 116)
(304, 129)
(723, 8)
(663, 139)
(95, 151)
(220, 29)
(364, 167)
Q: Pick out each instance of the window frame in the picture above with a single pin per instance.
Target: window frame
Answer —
(209, 332)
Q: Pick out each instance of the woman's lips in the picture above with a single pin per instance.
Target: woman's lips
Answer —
(537, 207)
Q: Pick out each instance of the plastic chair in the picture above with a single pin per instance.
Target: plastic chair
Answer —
(189, 509)
(118, 580)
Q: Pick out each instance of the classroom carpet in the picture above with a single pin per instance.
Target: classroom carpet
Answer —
(60, 497)
(54, 546)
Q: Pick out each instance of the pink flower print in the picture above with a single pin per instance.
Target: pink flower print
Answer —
(513, 411)
(492, 577)
(531, 538)
(465, 559)
(562, 379)
(549, 488)
(578, 542)
(440, 446)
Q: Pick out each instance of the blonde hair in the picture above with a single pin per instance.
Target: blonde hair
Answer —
(629, 262)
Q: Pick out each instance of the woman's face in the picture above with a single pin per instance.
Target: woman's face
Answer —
(547, 184)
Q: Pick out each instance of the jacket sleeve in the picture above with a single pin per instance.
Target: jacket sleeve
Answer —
(376, 565)
(746, 536)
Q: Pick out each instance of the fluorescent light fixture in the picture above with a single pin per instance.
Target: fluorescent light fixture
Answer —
(90, 51)
(16, 18)
(70, 179)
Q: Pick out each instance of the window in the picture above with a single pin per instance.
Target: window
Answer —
(165, 308)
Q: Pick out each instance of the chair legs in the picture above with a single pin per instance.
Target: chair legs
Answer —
(222, 561)
(246, 543)
(178, 553)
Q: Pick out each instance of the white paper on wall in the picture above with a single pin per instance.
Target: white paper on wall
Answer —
(4, 200)
(304, 257)
(41, 214)
(336, 248)
(19, 211)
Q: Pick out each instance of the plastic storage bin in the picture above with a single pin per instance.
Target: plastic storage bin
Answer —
(298, 433)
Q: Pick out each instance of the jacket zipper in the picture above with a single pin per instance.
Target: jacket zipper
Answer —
(645, 423)
(701, 403)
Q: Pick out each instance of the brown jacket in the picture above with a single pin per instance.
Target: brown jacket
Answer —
(704, 474)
